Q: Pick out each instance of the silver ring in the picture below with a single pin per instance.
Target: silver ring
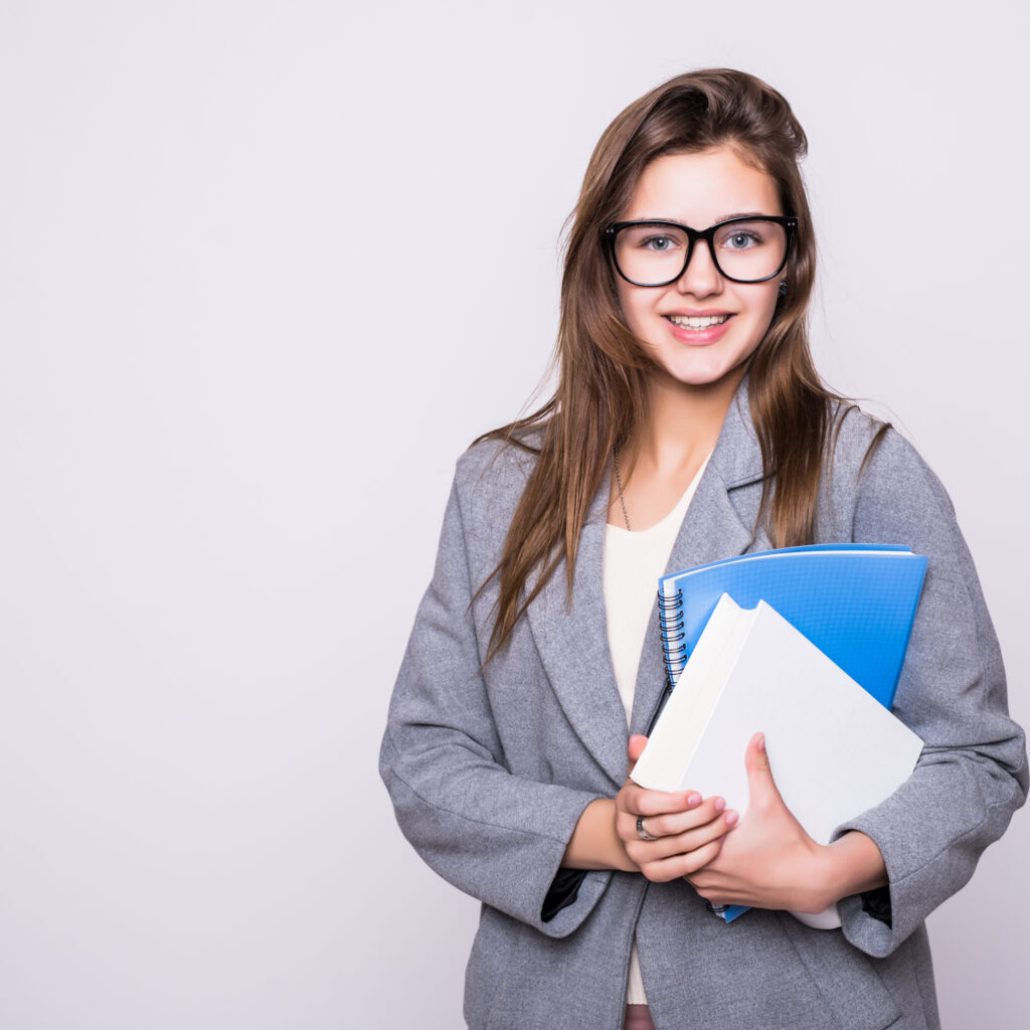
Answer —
(641, 832)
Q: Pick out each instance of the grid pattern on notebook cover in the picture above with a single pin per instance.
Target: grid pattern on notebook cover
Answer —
(855, 604)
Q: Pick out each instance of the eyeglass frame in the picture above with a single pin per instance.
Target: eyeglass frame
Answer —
(789, 222)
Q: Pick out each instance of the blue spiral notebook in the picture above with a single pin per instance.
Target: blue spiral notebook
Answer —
(855, 602)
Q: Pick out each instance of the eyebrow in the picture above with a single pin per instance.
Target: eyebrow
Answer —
(721, 218)
(747, 214)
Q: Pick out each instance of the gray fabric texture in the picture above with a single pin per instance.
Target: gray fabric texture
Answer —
(489, 768)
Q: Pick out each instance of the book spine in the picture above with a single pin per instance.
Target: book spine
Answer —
(671, 624)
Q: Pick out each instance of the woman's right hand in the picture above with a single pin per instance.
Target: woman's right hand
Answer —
(689, 829)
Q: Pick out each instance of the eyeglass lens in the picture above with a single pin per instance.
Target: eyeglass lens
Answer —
(656, 254)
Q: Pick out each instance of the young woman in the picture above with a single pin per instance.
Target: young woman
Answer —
(688, 425)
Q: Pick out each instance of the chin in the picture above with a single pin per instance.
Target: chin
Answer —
(700, 375)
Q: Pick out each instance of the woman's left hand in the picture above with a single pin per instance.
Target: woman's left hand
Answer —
(767, 860)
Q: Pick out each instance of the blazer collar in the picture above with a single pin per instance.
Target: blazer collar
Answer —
(572, 637)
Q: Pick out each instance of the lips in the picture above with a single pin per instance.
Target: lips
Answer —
(699, 330)
(697, 321)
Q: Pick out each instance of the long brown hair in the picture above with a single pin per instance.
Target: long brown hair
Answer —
(603, 369)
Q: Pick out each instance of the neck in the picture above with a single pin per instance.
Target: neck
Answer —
(682, 424)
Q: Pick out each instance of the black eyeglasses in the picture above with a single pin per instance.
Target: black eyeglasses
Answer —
(750, 249)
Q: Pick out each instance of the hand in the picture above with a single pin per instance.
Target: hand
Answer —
(768, 861)
(689, 830)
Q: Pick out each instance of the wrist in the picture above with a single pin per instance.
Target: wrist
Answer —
(620, 858)
(850, 865)
(595, 843)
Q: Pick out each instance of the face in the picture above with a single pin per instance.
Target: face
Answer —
(698, 190)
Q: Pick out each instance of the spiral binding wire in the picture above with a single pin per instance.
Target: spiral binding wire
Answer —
(674, 648)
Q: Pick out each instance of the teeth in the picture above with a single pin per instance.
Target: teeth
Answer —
(702, 322)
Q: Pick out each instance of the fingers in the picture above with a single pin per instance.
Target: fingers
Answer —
(756, 758)
(684, 841)
(665, 815)
(762, 790)
(682, 865)
(640, 801)
(675, 823)
(637, 743)
(668, 835)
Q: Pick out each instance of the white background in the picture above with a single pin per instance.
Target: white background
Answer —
(265, 270)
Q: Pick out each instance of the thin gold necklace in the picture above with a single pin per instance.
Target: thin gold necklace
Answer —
(618, 485)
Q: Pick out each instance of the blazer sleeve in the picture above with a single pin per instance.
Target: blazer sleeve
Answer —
(494, 835)
(972, 773)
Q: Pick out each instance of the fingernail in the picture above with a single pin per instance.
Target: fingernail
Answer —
(720, 804)
(731, 818)
(693, 799)
(761, 741)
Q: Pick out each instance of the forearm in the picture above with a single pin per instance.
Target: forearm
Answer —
(594, 843)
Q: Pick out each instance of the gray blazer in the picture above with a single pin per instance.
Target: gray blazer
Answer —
(489, 769)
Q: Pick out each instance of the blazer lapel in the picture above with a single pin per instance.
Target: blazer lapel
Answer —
(572, 637)
(573, 643)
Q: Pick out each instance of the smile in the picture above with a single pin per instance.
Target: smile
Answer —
(697, 322)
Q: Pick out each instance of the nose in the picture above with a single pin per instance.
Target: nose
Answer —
(700, 278)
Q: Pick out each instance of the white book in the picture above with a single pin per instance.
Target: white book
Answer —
(834, 751)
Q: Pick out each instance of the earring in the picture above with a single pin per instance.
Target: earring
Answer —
(783, 287)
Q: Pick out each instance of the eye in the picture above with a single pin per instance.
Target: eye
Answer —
(652, 238)
(742, 236)
(742, 240)
(658, 243)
